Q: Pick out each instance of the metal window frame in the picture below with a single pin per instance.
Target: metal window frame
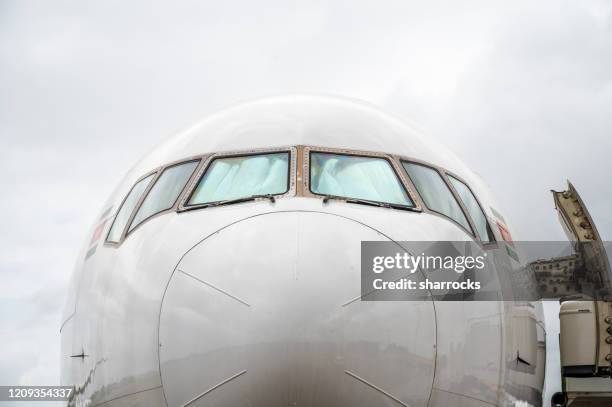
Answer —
(445, 176)
(172, 208)
(144, 193)
(299, 184)
(399, 173)
(449, 174)
(291, 178)
(472, 232)
(156, 174)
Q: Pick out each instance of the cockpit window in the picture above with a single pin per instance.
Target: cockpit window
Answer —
(358, 177)
(230, 178)
(435, 192)
(473, 208)
(165, 192)
(124, 213)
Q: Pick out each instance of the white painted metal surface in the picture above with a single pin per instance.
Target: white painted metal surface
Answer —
(244, 304)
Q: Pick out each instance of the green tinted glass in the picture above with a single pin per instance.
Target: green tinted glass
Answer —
(114, 235)
(471, 204)
(166, 190)
(241, 177)
(435, 193)
(350, 176)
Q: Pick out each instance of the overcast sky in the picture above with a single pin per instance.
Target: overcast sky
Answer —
(521, 90)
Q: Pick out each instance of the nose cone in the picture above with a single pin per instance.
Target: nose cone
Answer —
(263, 313)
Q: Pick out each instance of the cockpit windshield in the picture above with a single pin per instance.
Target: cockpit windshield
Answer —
(359, 177)
(364, 178)
(231, 178)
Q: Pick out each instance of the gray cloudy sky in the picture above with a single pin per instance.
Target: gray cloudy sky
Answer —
(521, 90)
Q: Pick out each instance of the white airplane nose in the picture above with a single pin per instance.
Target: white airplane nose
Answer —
(266, 312)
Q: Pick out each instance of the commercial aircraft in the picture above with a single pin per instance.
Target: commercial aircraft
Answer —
(223, 269)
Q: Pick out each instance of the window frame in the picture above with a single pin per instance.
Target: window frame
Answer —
(156, 174)
(453, 193)
(448, 174)
(129, 230)
(299, 183)
(122, 236)
(445, 175)
(205, 165)
(399, 174)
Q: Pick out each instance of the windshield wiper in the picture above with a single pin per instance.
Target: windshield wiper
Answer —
(360, 201)
(269, 197)
(255, 197)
